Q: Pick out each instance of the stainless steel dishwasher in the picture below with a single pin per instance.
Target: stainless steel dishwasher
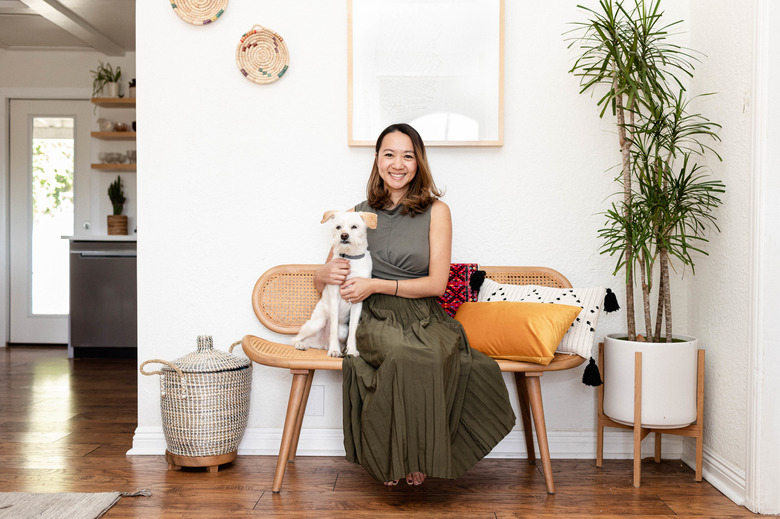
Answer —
(103, 299)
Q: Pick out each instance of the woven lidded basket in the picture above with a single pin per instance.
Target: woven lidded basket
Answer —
(204, 397)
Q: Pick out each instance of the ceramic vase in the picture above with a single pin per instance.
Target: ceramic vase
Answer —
(110, 89)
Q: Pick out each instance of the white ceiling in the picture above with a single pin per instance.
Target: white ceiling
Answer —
(107, 26)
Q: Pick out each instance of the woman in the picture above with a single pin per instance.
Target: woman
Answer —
(418, 401)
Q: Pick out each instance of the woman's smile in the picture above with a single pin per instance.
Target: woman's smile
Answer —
(397, 164)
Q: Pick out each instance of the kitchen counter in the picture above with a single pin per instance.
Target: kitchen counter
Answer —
(103, 237)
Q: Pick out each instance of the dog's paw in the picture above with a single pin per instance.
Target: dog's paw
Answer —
(334, 353)
(299, 345)
(353, 352)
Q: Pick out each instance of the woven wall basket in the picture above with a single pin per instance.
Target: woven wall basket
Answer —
(199, 12)
(262, 55)
(204, 398)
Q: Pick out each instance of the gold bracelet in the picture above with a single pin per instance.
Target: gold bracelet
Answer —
(396, 288)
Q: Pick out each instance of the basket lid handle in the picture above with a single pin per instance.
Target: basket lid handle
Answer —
(230, 350)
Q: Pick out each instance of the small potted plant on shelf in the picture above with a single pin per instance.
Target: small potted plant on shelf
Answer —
(105, 80)
(117, 222)
(667, 201)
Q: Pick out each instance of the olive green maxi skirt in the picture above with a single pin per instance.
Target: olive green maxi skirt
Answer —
(419, 399)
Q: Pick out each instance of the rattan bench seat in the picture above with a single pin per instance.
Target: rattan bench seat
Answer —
(279, 355)
(283, 299)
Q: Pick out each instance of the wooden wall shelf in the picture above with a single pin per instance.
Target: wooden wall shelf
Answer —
(114, 102)
(115, 167)
(114, 136)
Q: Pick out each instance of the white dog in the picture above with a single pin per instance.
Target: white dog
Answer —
(335, 320)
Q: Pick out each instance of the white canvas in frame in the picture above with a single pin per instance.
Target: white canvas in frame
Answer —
(435, 64)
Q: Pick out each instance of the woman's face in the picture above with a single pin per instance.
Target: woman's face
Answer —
(396, 162)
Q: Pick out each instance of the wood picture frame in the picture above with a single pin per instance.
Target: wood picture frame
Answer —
(435, 64)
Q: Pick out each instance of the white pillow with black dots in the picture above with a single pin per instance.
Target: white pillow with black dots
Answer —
(581, 335)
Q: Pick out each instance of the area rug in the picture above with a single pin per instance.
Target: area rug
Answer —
(23, 505)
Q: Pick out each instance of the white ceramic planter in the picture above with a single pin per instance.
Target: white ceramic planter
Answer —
(110, 89)
(668, 381)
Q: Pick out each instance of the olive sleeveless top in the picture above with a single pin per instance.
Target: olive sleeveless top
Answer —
(399, 245)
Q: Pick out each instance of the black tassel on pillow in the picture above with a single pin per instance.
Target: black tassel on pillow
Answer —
(591, 375)
(610, 302)
(477, 278)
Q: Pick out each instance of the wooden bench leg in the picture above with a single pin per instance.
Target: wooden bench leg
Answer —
(525, 415)
(297, 389)
(534, 387)
(301, 412)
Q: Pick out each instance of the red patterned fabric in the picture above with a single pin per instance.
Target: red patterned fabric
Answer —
(458, 289)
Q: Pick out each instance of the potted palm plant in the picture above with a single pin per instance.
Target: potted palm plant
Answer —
(667, 201)
(105, 80)
(117, 222)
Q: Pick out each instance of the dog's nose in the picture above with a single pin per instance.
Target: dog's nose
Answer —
(344, 236)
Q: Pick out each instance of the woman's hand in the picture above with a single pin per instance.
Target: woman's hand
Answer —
(355, 290)
(333, 272)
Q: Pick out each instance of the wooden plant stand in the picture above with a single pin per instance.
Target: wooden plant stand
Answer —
(212, 463)
(695, 430)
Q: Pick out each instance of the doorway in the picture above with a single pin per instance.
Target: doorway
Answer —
(49, 193)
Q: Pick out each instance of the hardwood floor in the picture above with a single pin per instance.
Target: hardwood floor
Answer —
(65, 426)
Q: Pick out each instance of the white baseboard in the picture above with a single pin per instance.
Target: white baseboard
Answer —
(148, 441)
(330, 442)
(721, 474)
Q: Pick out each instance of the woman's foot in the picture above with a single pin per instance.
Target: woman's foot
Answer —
(415, 478)
(391, 483)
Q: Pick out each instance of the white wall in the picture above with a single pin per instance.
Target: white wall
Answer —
(732, 297)
(764, 364)
(66, 69)
(233, 177)
(762, 407)
(58, 75)
(722, 280)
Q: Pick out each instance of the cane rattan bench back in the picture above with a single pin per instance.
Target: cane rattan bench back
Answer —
(284, 297)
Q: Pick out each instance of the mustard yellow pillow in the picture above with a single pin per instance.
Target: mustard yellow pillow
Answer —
(527, 332)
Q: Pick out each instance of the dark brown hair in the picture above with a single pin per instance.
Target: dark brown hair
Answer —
(422, 189)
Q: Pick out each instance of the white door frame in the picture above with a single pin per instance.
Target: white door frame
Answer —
(5, 95)
(26, 327)
(762, 474)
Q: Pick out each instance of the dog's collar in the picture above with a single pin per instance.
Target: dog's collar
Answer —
(347, 256)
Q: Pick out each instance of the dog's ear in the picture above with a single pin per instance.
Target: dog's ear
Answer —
(370, 219)
(328, 215)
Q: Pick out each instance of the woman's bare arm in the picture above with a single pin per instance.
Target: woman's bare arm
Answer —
(434, 284)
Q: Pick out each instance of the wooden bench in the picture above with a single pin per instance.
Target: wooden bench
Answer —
(283, 299)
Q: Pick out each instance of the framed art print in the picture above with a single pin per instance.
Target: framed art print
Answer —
(434, 64)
